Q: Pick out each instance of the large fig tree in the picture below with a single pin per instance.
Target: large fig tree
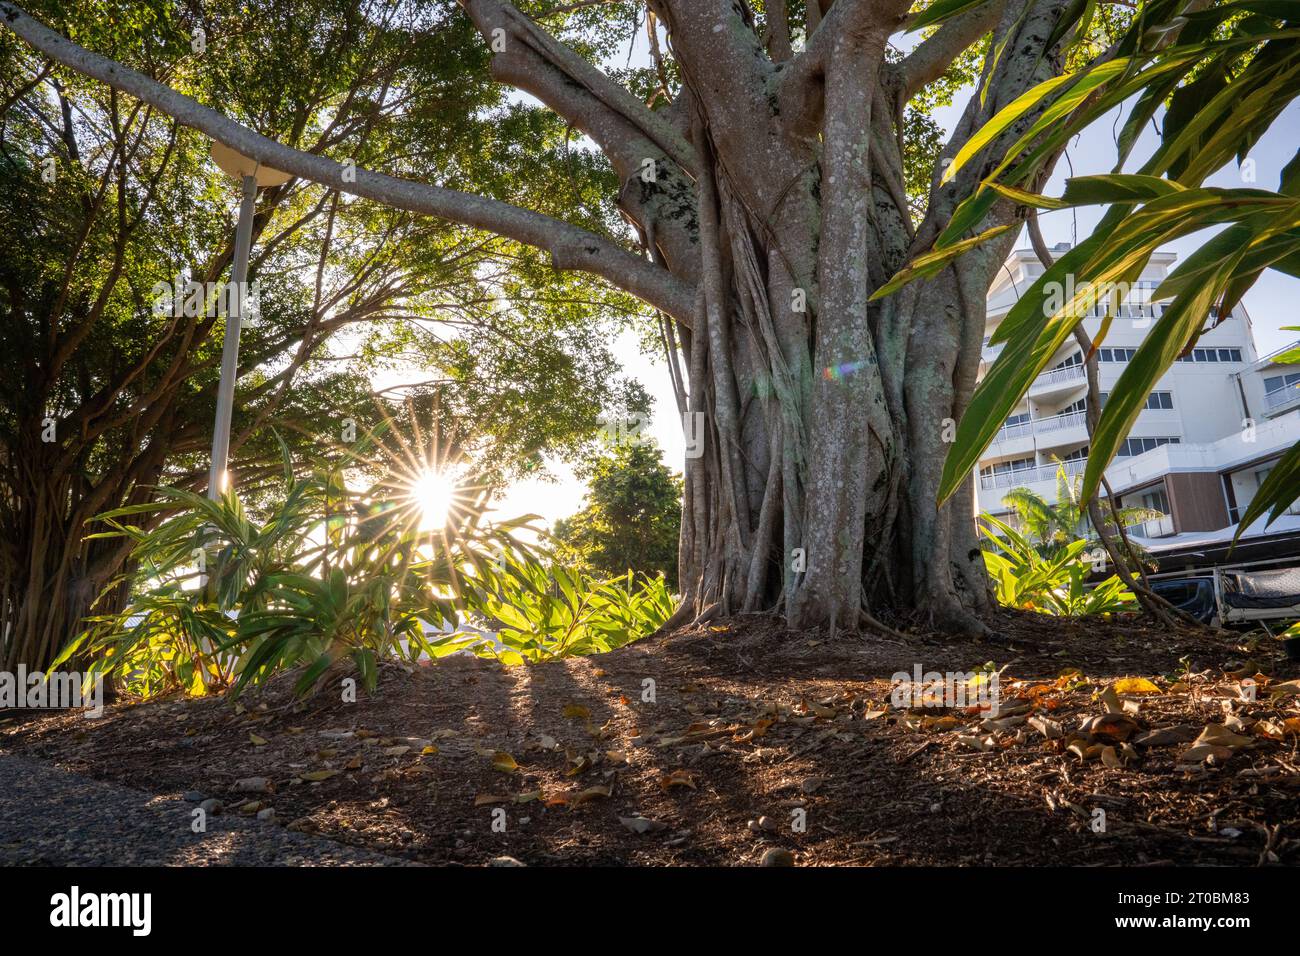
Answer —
(768, 179)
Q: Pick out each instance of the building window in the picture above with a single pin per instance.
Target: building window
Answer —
(1160, 400)
(1212, 355)
(1079, 406)
(1017, 419)
(1008, 467)
(1156, 500)
(1273, 383)
(1260, 475)
(1137, 446)
(1076, 358)
(1116, 355)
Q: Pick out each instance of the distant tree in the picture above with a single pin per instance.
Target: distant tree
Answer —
(632, 515)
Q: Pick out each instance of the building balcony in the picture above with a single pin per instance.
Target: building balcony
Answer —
(1058, 381)
(1056, 430)
(1161, 527)
(1269, 438)
(1281, 399)
(1028, 477)
(1070, 428)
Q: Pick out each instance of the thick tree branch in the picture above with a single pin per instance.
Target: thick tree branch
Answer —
(935, 54)
(779, 47)
(719, 52)
(848, 20)
(626, 131)
(571, 247)
(491, 16)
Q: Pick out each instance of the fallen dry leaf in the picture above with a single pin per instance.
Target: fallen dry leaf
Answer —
(1287, 689)
(504, 762)
(1270, 729)
(1220, 736)
(1166, 736)
(316, 776)
(1112, 726)
(642, 825)
(578, 765)
(1049, 728)
(1135, 685)
(678, 778)
(1215, 741)
(588, 795)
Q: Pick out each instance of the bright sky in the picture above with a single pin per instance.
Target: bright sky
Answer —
(1270, 304)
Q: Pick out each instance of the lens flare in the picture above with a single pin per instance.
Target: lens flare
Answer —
(432, 492)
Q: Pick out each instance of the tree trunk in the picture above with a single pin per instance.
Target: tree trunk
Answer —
(53, 575)
(828, 426)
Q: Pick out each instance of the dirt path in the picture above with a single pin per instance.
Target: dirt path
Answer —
(52, 817)
(728, 746)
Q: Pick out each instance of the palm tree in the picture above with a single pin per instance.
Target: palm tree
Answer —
(1053, 527)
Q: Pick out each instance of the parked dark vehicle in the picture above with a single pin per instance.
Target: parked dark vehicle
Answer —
(1193, 596)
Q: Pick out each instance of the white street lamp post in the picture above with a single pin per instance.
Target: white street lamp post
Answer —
(252, 175)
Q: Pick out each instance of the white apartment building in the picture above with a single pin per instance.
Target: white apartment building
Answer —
(1211, 429)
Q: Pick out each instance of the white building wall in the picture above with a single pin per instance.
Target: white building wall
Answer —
(1212, 400)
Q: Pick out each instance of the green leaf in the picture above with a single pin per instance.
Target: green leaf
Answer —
(1003, 120)
(932, 263)
(938, 12)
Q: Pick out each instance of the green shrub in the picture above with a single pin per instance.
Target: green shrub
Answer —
(1023, 578)
(222, 600)
(540, 613)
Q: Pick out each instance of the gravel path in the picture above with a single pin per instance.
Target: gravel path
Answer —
(53, 817)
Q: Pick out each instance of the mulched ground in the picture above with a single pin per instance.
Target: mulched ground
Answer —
(51, 817)
(752, 731)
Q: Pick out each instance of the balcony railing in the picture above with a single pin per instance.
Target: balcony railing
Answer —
(1057, 422)
(1160, 527)
(1027, 476)
(1281, 396)
(1041, 426)
(1018, 430)
(1059, 376)
(1265, 359)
